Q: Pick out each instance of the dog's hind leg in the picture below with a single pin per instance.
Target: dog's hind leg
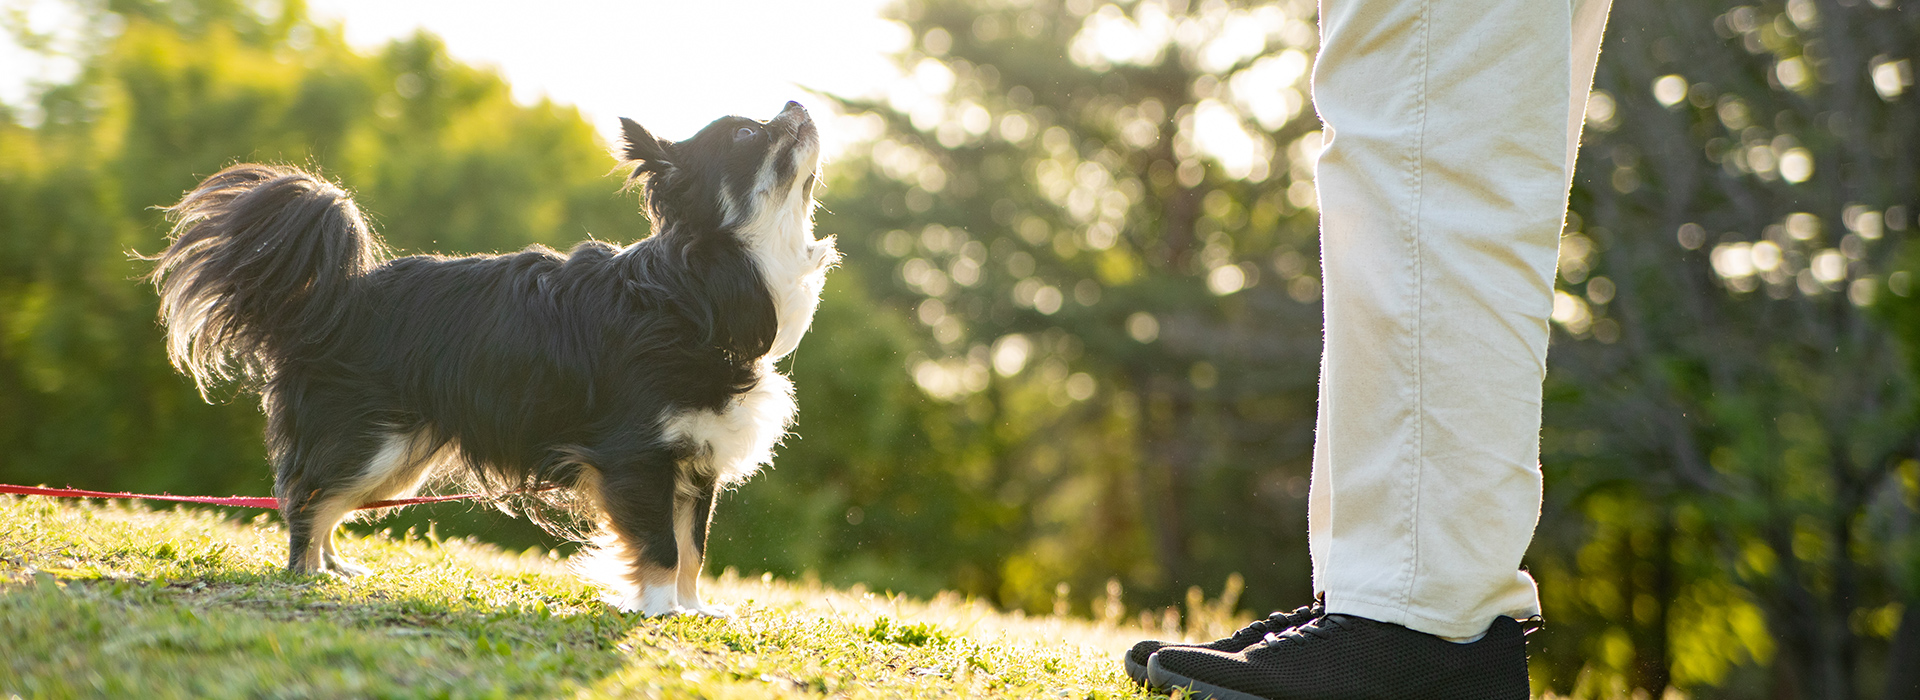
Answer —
(404, 463)
(400, 463)
(637, 497)
(692, 514)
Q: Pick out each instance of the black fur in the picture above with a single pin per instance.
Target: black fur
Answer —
(523, 369)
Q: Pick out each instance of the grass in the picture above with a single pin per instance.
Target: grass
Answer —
(121, 601)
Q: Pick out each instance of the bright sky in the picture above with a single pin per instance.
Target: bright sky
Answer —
(672, 65)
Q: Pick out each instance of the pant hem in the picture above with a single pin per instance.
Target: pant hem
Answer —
(1360, 606)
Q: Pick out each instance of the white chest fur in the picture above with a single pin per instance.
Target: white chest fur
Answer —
(734, 442)
(738, 439)
(792, 264)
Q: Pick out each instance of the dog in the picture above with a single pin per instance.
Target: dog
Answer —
(637, 380)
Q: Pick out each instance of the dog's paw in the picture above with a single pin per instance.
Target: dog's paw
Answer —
(719, 612)
(655, 601)
(345, 568)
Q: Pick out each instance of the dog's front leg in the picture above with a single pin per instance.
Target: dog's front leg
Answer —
(692, 515)
(639, 503)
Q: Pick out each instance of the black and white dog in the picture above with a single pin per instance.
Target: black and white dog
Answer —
(640, 378)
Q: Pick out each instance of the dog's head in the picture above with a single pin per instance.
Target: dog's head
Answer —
(734, 172)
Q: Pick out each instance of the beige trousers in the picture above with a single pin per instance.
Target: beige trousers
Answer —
(1451, 128)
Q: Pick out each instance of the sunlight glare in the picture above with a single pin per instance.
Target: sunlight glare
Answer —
(1670, 90)
(1218, 132)
(672, 66)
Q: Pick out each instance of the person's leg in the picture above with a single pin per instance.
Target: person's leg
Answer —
(1450, 128)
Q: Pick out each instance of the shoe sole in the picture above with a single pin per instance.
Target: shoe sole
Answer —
(1164, 680)
(1138, 671)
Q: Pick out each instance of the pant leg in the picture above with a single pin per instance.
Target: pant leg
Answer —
(1451, 127)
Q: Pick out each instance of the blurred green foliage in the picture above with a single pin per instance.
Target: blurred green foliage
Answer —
(1125, 398)
(1070, 360)
(1734, 433)
(438, 151)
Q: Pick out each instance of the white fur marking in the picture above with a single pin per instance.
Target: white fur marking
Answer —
(791, 263)
(387, 474)
(736, 441)
(395, 452)
(714, 611)
(651, 601)
(396, 470)
(688, 560)
(612, 564)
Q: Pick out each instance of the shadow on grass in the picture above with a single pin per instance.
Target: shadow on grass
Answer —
(244, 632)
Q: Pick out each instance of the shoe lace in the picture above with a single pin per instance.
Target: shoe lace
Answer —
(1260, 626)
(1277, 621)
(1320, 628)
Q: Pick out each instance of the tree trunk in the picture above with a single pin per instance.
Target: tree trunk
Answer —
(1165, 417)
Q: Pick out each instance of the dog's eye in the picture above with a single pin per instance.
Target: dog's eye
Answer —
(743, 134)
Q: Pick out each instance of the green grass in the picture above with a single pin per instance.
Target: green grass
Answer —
(121, 601)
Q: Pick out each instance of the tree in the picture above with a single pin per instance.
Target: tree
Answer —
(443, 159)
(1729, 419)
(1745, 189)
(1108, 250)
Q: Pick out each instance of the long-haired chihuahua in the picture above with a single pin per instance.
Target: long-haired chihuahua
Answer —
(639, 380)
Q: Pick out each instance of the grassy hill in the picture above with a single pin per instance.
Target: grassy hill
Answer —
(122, 601)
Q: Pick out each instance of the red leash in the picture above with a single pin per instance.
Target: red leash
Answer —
(238, 501)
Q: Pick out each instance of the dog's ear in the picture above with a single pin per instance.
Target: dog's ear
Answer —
(652, 153)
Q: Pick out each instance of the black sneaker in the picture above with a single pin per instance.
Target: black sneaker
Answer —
(1136, 658)
(1339, 657)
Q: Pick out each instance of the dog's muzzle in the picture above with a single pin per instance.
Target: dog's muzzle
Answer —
(795, 120)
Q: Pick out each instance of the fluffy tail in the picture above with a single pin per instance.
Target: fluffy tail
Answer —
(260, 261)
